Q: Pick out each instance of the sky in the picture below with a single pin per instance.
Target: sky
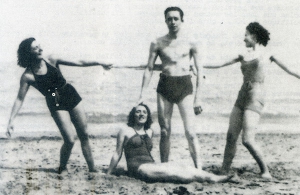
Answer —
(120, 31)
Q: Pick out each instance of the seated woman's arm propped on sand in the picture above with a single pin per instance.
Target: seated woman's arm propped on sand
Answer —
(118, 153)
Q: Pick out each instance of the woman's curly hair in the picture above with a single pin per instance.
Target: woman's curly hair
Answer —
(262, 34)
(131, 119)
(24, 55)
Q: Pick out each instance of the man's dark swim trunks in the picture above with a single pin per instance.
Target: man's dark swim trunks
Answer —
(174, 88)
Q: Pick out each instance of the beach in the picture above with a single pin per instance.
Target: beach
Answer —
(29, 159)
(120, 32)
(28, 166)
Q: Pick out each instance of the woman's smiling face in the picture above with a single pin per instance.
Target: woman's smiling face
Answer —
(140, 115)
(36, 50)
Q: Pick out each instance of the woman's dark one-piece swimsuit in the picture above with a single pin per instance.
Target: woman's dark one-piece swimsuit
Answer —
(58, 93)
(137, 152)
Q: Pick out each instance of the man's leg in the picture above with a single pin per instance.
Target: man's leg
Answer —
(187, 115)
(165, 110)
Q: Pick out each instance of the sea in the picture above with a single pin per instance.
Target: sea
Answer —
(108, 97)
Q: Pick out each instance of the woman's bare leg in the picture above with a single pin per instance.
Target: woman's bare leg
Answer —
(235, 127)
(170, 172)
(63, 121)
(250, 124)
(79, 120)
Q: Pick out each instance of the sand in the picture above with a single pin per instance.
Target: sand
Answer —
(28, 163)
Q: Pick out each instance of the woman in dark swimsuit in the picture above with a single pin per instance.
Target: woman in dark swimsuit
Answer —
(137, 144)
(250, 102)
(62, 99)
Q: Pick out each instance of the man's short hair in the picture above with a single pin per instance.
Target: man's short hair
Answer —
(174, 9)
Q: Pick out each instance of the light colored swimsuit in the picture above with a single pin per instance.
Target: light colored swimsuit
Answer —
(252, 93)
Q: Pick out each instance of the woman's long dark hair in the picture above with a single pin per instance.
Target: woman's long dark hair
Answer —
(131, 120)
(24, 55)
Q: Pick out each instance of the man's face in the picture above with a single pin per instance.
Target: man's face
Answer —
(173, 21)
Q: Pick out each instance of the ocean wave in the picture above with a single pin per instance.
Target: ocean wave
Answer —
(101, 118)
(110, 118)
(279, 115)
(33, 137)
(34, 113)
(266, 115)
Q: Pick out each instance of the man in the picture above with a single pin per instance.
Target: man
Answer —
(175, 87)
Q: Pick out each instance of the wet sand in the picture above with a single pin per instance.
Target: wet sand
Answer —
(27, 166)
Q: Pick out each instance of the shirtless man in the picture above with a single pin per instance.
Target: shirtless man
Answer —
(175, 87)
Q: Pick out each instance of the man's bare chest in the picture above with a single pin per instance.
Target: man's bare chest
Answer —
(174, 50)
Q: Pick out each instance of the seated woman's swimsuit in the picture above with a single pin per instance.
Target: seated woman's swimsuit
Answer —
(58, 93)
(137, 152)
(252, 93)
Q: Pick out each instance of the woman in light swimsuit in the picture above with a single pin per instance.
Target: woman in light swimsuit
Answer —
(137, 144)
(62, 99)
(250, 102)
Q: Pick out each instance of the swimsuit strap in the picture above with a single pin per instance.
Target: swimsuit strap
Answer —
(136, 134)
(47, 65)
(52, 80)
(141, 135)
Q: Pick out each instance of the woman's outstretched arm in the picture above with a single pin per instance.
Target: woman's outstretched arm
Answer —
(81, 63)
(283, 67)
(225, 64)
(24, 86)
(118, 153)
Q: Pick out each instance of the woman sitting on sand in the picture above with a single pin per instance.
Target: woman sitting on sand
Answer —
(137, 144)
(250, 102)
(62, 99)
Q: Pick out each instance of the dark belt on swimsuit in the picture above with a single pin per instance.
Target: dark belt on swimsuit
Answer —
(54, 92)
